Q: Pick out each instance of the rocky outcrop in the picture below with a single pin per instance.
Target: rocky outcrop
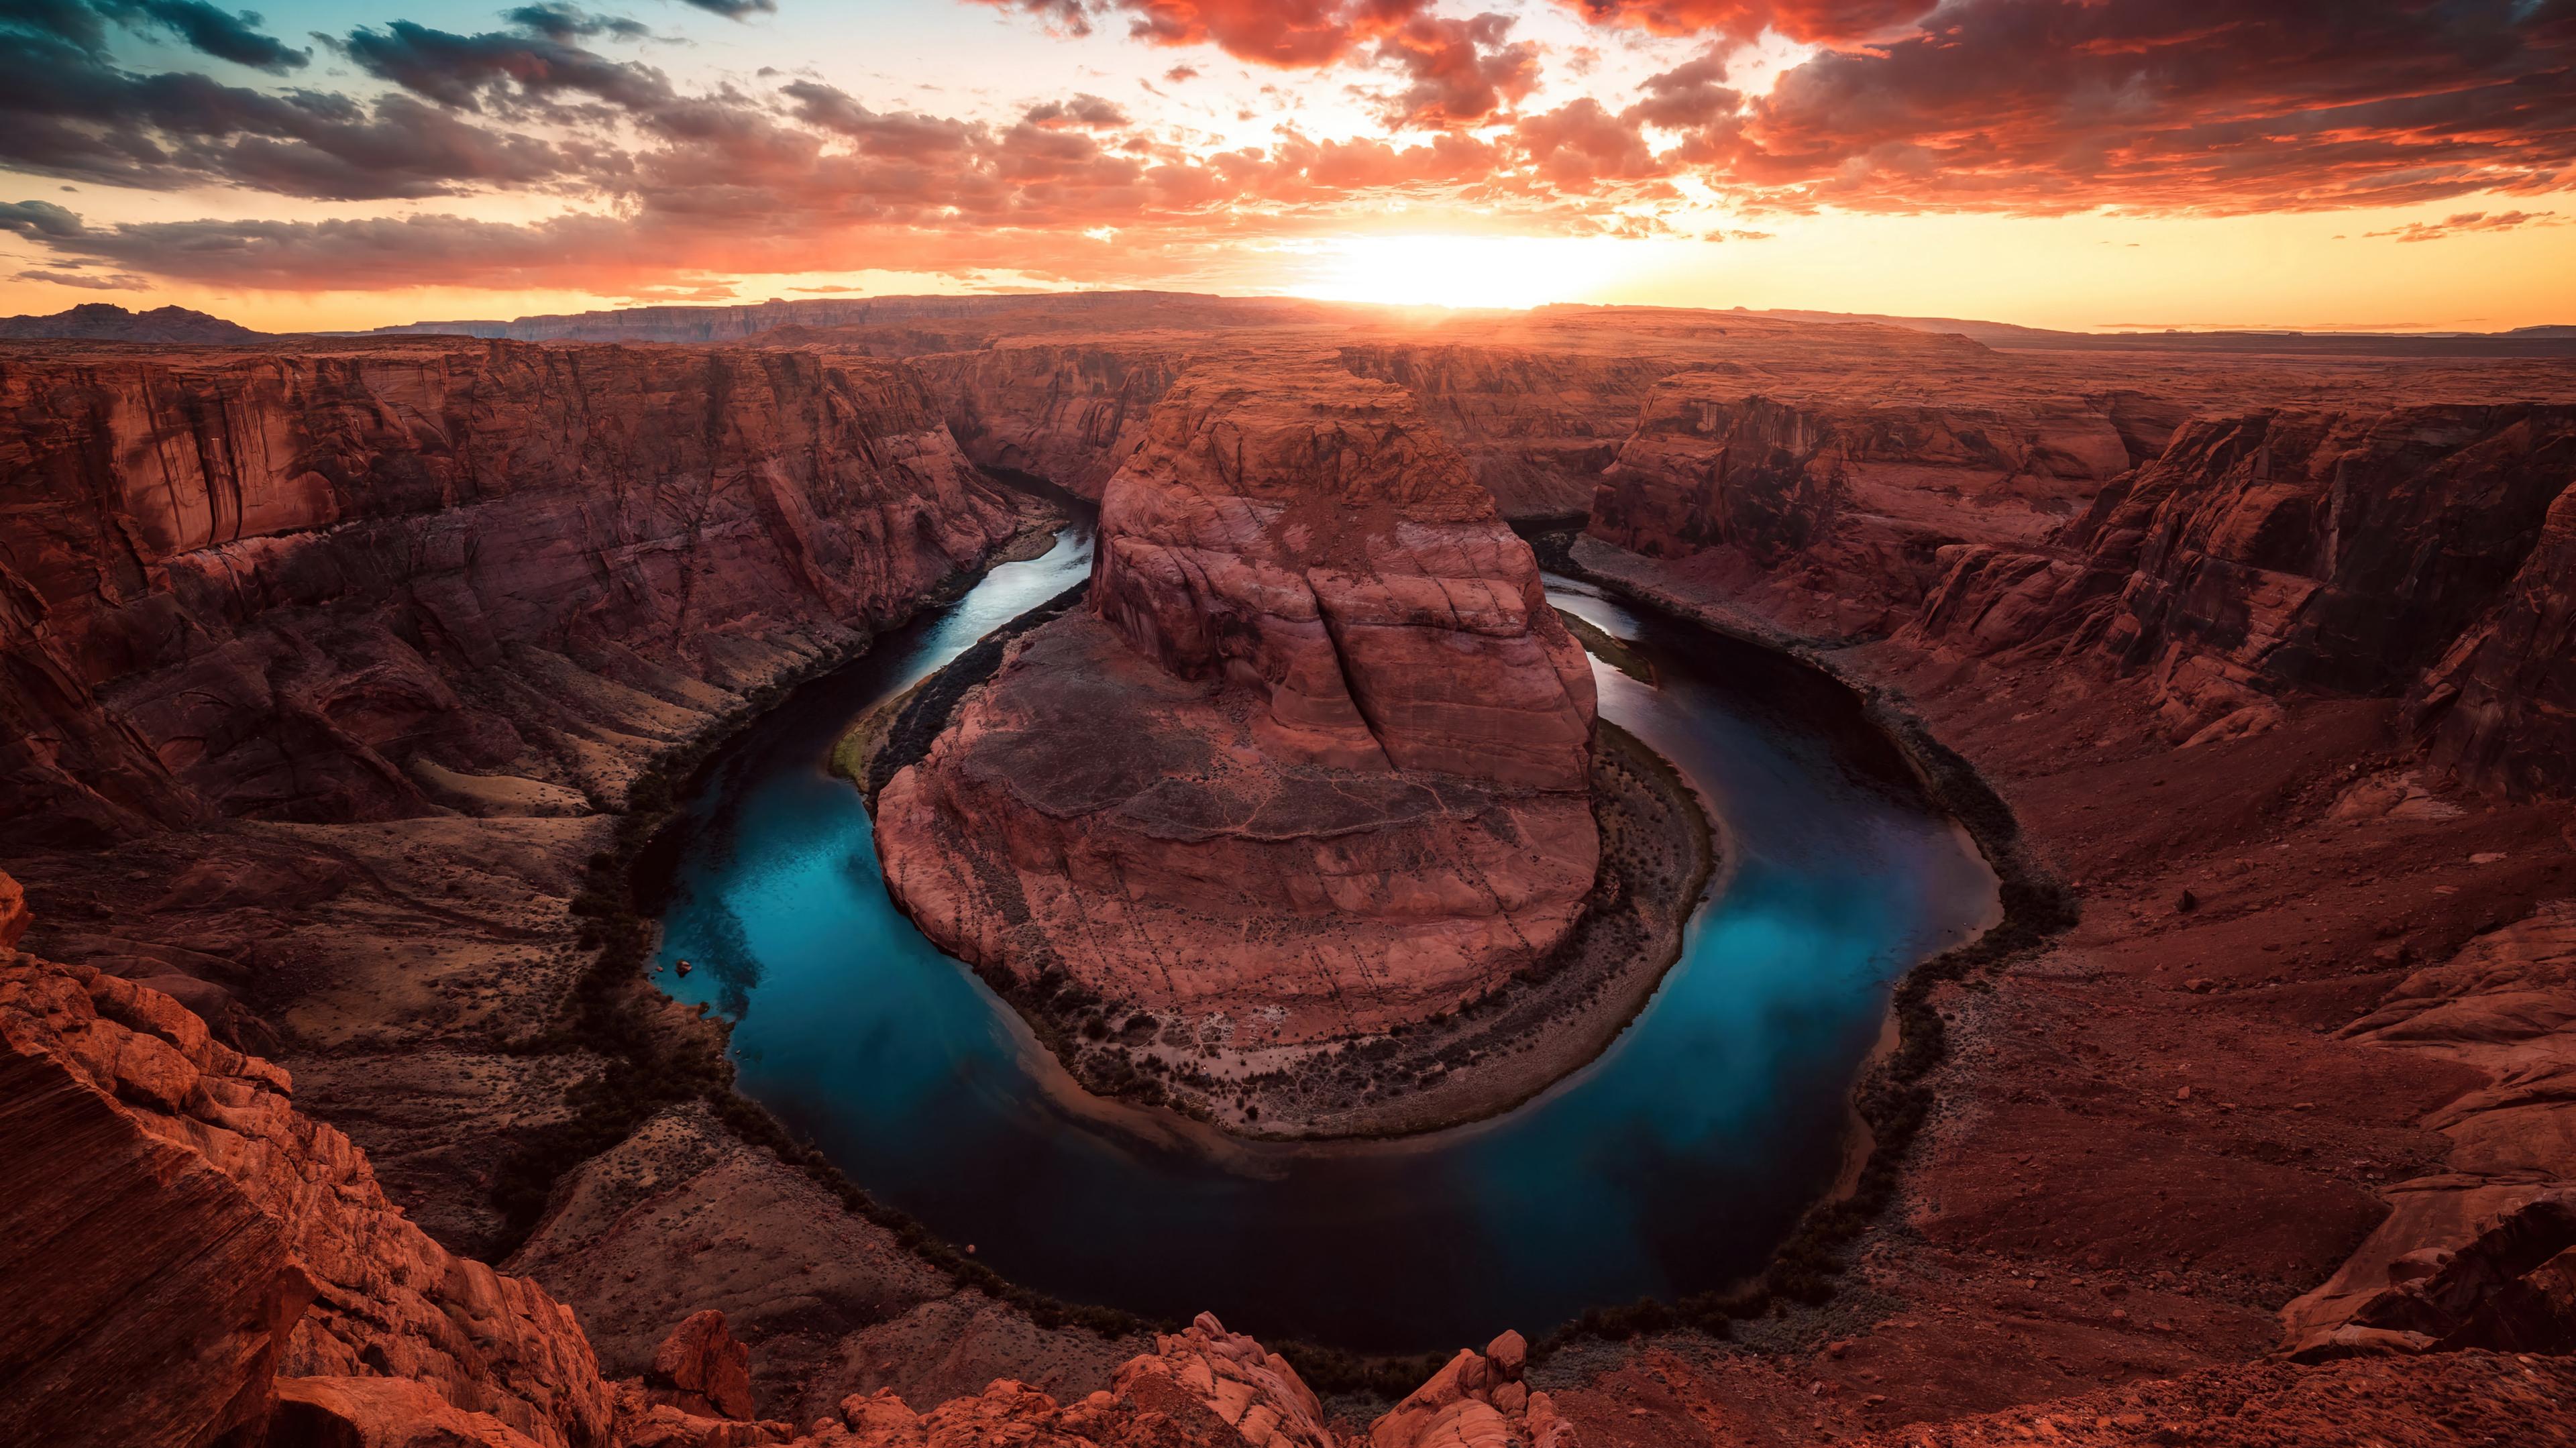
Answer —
(2320, 552)
(1477, 1400)
(1536, 426)
(2499, 702)
(1202, 1387)
(1313, 764)
(196, 1238)
(2483, 1252)
(205, 1265)
(700, 1369)
(331, 583)
(2423, 552)
(1832, 510)
(1308, 538)
(1070, 414)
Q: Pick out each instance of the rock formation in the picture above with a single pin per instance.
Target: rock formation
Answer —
(1476, 1399)
(1536, 426)
(2499, 700)
(339, 582)
(2413, 550)
(1315, 759)
(198, 1237)
(1846, 501)
(1067, 413)
(2281, 554)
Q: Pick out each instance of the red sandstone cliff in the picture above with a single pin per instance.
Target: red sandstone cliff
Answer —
(2322, 554)
(325, 583)
(195, 1238)
(2413, 550)
(1537, 426)
(1832, 509)
(1067, 413)
(1314, 762)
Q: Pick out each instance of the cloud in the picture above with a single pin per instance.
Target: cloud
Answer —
(82, 26)
(2470, 221)
(1801, 20)
(462, 71)
(1087, 111)
(2007, 105)
(2169, 105)
(564, 23)
(66, 111)
(735, 9)
(1284, 33)
(1460, 71)
(116, 282)
(225, 36)
(42, 220)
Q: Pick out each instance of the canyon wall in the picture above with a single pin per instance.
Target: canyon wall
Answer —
(355, 582)
(1537, 426)
(2406, 551)
(197, 1239)
(1067, 413)
(1315, 759)
(1832, 509)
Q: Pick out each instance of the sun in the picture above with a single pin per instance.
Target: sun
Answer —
(1433, 270)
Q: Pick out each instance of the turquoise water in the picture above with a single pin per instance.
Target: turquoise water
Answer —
(1671, 1164)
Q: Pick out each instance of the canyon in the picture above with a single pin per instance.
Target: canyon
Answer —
(343, 676)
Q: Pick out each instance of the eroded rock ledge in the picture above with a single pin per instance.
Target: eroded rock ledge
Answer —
(1312, 765)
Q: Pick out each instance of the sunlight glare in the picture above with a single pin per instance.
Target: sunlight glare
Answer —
(1514, 272)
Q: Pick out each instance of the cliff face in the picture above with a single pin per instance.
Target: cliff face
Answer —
(2288, 553)
(2405, 551)
(2326, 552)
(2500, 700)
(197, 1239)
(1833, 510)
(1316, 761)
(1070, 414)
(1536, 426)
(1311, 537)
(341, 584)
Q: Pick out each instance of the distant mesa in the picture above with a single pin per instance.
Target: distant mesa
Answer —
(107, 322)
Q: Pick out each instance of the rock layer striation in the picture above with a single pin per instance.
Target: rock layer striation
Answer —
(333, 583)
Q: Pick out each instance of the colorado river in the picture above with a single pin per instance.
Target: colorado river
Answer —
(1672, 1163)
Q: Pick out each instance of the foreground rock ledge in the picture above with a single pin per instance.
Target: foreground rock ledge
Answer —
(1314, 765)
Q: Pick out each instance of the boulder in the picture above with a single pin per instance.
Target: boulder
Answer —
(701, 1369)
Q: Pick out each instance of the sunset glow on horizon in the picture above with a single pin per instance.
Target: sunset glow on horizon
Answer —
(2063, 163)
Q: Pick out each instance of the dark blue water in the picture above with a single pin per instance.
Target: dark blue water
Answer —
(1671, 1164)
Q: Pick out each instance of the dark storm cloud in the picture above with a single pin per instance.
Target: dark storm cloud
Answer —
(66, 111)
(564, 23)
(461, 70)
(222, 34)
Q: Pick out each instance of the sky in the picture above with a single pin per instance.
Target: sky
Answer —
(2397, 164)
